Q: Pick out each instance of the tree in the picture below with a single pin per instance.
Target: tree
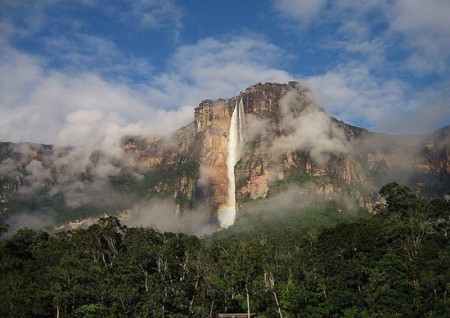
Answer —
(439, 214)
(3, 229)
(400, 200)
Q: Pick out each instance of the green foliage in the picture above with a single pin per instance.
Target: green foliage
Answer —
(285, 225)
(3, 229)
(394, 264)
(91, 311)
(399, 200)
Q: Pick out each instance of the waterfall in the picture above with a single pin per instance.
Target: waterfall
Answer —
(227, 213)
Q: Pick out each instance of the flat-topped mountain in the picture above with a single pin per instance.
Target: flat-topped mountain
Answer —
(268, 138)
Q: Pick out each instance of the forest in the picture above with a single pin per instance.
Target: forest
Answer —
(394, 263)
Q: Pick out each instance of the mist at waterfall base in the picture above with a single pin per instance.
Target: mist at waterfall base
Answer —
(227, 213)
(159, 213)
(308, 129)
(291, 212)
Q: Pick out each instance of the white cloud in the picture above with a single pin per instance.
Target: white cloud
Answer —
(419, 16)
(218, 68)
(42, 220)
(156, 13)
(430, 109)
(160, 214)
(419, 31)
(353, 94)
(306, 10)
(74, 107)
(42, 106)
(426, 27)
(26, 18)
(384, 48)
(92, 53)
(308, 129)
(23, 18)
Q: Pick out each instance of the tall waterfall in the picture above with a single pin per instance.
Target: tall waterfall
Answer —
(227, 213)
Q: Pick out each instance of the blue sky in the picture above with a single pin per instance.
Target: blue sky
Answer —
(73, 71)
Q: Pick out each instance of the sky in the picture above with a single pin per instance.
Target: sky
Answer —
(72, 72)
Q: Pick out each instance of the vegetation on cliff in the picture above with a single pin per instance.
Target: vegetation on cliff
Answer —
(391, 264)
(113, 194)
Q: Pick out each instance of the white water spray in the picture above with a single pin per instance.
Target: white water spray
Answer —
(227, 213)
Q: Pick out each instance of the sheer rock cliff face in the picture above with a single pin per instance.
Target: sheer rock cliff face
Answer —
(212, 122)
(368, 161)
(262, 169)
(288, 142)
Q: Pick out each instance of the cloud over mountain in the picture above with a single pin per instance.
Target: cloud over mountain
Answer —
(142, 67)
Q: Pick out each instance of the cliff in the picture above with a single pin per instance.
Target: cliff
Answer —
(288, 141)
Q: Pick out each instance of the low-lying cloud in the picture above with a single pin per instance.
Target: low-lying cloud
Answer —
(304, 127)
(298, 200)
(45, 219)
(161, 214)
(308, 128)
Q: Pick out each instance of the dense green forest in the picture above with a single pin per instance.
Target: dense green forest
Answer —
(392, 264)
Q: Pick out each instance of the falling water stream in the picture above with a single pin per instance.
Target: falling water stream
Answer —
(227, 212)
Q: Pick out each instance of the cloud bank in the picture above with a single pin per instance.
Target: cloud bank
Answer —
(385, 52)
(66, 107)
(392, 60)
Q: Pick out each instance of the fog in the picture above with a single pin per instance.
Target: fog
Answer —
(161, 214)
(304, 126)
(83, 173)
